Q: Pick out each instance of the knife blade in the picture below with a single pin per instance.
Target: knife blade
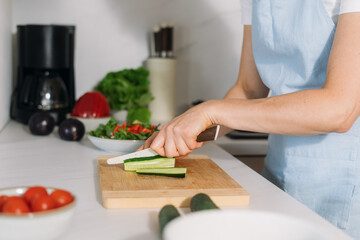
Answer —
(143, 153)
(210, 134)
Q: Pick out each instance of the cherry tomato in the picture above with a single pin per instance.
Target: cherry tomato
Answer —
(15, 205)
(61, 197)
(34, 192)
(3, 198)
(43, 203)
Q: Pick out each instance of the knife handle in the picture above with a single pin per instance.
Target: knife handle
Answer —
(210, 134)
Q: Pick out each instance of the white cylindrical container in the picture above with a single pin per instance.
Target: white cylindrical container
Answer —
(162, 85)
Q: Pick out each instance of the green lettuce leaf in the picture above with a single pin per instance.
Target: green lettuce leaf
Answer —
(128, 89)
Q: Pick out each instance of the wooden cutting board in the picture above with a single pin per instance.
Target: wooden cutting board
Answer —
(120, 189)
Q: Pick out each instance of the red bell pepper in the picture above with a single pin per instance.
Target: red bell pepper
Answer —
(91, 105)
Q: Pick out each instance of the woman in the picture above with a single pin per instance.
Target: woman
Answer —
(312, 68)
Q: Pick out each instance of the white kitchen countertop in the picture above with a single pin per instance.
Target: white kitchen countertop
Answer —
(47, 160)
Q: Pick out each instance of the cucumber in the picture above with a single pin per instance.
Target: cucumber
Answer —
(200, 202)
(166, 214)
(178, 172)
(133, 164)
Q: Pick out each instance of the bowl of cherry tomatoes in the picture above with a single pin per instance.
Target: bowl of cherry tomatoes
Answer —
(35, 212)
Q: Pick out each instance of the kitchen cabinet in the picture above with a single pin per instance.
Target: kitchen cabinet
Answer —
(256, 163)
(47, 160)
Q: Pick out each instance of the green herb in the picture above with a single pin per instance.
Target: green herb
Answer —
(128, 90)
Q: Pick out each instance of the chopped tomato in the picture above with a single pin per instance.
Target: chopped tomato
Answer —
(131, 129)
(136, 128)
(15, 205)
(145, 130)
(117, 128)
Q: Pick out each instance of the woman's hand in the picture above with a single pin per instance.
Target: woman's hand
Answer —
(177, 138)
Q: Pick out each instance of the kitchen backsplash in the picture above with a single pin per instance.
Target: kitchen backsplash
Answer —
(114, 34)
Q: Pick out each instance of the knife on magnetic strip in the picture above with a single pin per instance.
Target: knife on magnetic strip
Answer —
(210, 134)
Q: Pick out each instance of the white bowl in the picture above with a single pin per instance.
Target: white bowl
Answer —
(45, 225)
(115, 145)
(92, 123)
(242, 224)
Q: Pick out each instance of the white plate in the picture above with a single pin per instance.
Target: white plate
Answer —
(116, 146)
(242, 224)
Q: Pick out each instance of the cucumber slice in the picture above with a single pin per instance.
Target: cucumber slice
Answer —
(202, 201)
(133, 164)
(178, 172)
(166, 214)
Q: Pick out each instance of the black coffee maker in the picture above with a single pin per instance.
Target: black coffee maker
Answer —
(45, 79)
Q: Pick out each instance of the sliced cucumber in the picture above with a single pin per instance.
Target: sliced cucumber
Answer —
(178, 172)
(202, 201)
(166, 214)
(148, 162)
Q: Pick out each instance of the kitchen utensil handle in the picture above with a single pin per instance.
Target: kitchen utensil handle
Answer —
(209, 134)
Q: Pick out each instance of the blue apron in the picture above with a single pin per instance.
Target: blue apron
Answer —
(292, 40)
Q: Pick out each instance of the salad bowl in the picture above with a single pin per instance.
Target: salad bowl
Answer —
(119, 138)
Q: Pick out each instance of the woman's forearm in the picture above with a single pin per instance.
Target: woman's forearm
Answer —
(305, 112)
(236, 92)
(239, 92)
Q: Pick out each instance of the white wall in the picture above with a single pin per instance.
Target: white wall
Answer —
(5, 61)
(113, 34)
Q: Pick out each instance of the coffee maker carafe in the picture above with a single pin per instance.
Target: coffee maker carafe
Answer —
(45, 80)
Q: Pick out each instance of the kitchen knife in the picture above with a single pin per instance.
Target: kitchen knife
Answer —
(169, 50)
(164, 41)
(157, 41)
(210, 134)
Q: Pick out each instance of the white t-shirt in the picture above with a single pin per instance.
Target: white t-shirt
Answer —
(333, 7)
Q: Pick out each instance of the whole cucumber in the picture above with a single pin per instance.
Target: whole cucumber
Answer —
(166, 214)
(202, 201)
